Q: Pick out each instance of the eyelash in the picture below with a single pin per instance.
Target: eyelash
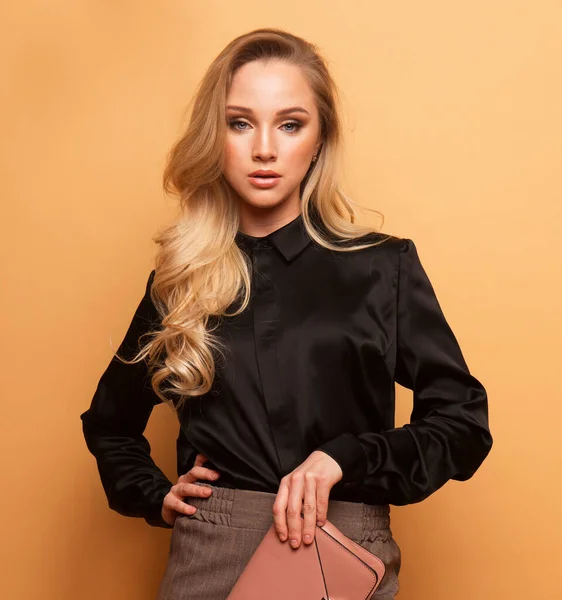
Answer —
(297, 125)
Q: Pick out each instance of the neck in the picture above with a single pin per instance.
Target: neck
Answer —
(259, 222)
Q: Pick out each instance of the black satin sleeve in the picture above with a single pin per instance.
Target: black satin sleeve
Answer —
(114, 424)
(448, 436)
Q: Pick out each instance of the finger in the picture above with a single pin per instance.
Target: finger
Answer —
(200, 473)
(309, 508)
(322, 500)
(279, 511)
(294, 509)
(191, 489)
(172, 502)
(200, 459)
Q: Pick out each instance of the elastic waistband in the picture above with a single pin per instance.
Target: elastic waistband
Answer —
(250, 509)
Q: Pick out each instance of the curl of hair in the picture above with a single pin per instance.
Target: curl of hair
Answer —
(199, 270)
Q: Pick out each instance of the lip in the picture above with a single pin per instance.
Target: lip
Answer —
(264, 182)
(264, 173)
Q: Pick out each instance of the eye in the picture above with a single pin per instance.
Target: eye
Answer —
(235, 122)
(296, 126)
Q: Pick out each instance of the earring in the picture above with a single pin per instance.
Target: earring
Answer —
(314, 157)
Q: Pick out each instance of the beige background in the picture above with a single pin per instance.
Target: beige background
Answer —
(454, 132)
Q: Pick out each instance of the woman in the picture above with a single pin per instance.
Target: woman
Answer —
(276, 330)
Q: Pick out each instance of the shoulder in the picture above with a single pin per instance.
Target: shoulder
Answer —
(150, 281)
(374, 256)
(376, 241)
(387, 241)
(147, 307)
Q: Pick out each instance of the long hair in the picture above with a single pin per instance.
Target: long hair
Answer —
(199, 269)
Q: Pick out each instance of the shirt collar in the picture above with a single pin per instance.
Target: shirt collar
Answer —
(290, 239)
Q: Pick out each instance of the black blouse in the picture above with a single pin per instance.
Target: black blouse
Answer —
(311, 365)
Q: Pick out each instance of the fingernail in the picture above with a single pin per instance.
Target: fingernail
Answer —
(307, 538)
(294, 543)
(282, 537)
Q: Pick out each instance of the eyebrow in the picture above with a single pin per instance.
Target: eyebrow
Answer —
(284, 111)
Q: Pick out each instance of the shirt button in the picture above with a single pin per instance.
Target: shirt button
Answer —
(263, 244)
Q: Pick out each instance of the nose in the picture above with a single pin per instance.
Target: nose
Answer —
(264, 147)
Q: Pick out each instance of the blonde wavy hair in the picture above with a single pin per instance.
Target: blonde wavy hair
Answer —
(199, 269)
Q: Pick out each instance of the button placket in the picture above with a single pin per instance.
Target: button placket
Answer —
(266, 335)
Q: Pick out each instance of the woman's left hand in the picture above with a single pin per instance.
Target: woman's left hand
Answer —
(310, 483)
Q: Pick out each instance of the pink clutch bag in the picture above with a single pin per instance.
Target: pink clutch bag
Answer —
(333, 567)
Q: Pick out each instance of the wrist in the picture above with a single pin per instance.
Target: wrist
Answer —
(348, 452)
(154, 515)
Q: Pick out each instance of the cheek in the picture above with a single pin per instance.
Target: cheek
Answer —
(300, 155)
(302, 148)
(232, 157)
(229, 150)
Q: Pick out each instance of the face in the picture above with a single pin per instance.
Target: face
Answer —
(261, 135)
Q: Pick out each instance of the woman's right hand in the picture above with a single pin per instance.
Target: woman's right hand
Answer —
(173, 501)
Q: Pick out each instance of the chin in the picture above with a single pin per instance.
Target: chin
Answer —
(273, 203)
(262, 197)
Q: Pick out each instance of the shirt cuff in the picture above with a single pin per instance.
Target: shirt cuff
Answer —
(154, 513)
(348, 452)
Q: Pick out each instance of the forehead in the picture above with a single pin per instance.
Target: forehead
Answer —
(268, 86)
